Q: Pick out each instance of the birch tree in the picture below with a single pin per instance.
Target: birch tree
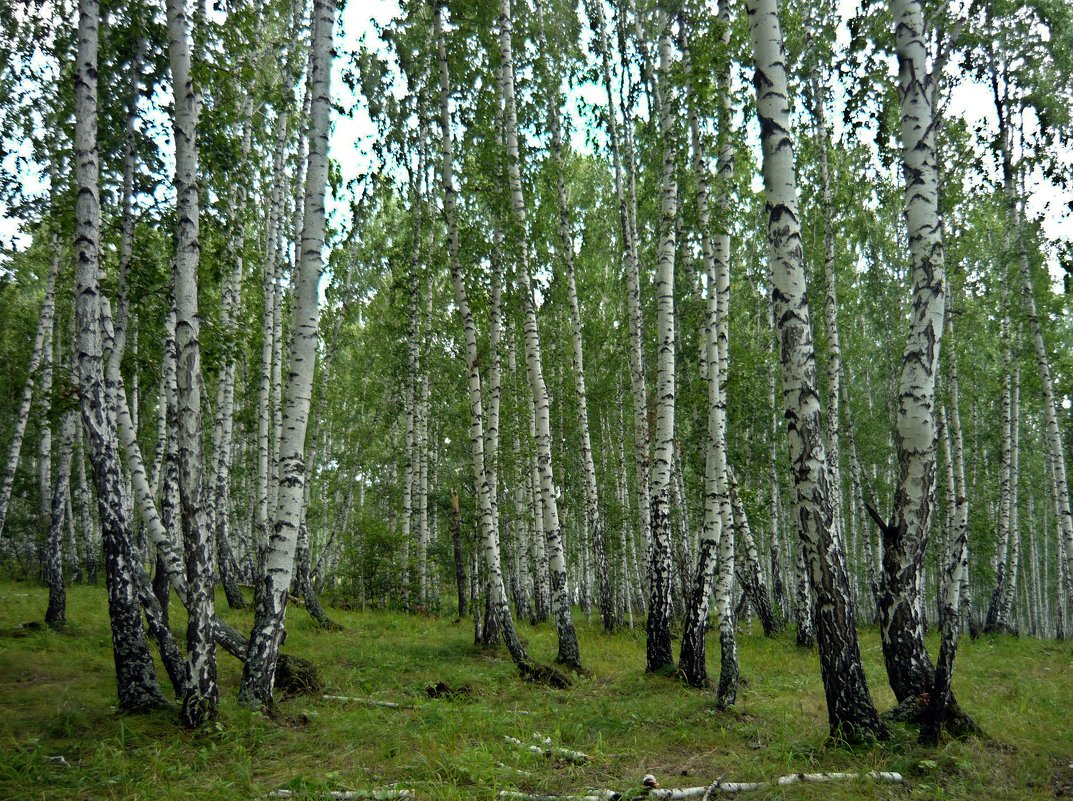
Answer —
(569, 653)
(850, 710)
(202, 698)
(135, 676)
(274, 582)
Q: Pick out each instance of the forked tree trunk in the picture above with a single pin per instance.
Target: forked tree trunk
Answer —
(135, 676)
(905, 538)
(274, 583)
(850, 710)
(569, 653)
(958, 553)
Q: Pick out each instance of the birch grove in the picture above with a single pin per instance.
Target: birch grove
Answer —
(505, 313)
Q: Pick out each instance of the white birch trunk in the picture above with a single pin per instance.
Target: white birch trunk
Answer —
(658, 652)
(909, 667)
(566, 246)
(626, 201)
(569, 654)
(274, 582)
(715, 256)
(56, 614)
(135, 676)
(202, 694)
(476, 429)
(43, 335)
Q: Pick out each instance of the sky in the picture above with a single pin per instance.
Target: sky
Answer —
(352, 136)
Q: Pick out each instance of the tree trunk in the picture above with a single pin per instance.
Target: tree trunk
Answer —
(135, 677)
(626, 200)
(850, 710)
(224, 427)
(958, 553)
(566, 246)
(569, 654)
(43, 336)
(476, 427)
(202, 694)
(752, 579)
(274, 582)
(658, 628)
(56, 614)
(909, 667)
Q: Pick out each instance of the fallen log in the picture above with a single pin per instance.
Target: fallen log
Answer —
(549, 750)
(350, 795)
(707, 791)
(368, 701)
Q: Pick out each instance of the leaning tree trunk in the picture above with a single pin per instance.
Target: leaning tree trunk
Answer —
(274, 582)
(850, 710)
(905, 538)
(202, 694)
(135, 676)
(752, 580)
(569, 653)
(43, 336)
(658, 628)
(476, 428)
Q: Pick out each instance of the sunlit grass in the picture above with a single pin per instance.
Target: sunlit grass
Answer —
(57, 695)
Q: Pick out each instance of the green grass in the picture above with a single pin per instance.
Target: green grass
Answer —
(57, 698)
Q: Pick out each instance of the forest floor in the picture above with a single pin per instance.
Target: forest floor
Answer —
(57, 699)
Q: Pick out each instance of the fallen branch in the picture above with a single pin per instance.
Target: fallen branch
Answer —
(595, 795)
(707, 791)
(368, 701)
(549, 750)
(350, 795)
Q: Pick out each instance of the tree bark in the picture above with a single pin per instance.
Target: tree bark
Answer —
(274, 582)
(905, 538)
(569, 653)
(658, 652)
(135, 677)
(56, 614)
(476, 428)
(202, 698)
(43, 336)
(566, 247)
(850, 710)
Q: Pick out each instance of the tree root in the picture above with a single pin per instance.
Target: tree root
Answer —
(914, 710)
(543, 674)
(297, 676)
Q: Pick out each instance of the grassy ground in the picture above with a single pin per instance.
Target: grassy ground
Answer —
(57, 695)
